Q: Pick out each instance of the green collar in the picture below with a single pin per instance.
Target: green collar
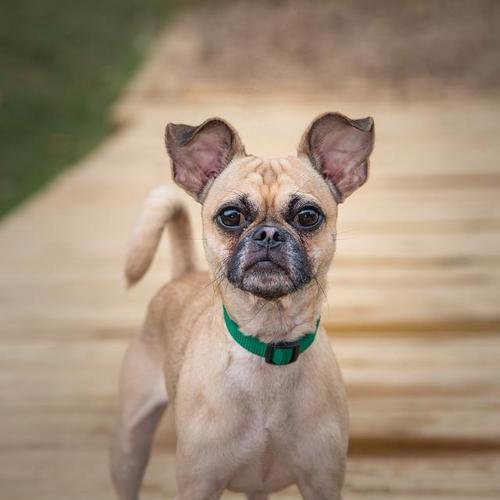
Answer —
(276, 353)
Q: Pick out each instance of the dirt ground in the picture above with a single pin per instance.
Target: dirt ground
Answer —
(353, 46)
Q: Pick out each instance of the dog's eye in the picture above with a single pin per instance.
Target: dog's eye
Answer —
(308, 218)
(231, 217)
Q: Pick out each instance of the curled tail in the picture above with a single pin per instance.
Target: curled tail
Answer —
(161, 209)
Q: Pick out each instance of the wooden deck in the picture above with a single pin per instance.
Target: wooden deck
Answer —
(413, 300)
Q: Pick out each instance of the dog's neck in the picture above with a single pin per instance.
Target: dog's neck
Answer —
(284, 319)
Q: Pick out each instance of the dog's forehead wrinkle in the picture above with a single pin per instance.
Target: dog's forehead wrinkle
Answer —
(271, 183)
(254, 162)
(269, 177)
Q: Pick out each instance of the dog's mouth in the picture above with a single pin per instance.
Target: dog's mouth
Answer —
(265, 264)
(269, 273)
(267, 279)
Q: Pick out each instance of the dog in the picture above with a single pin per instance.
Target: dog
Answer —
(239, 351)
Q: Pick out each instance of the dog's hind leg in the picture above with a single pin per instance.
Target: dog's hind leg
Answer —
(258, 496)
(143, 399)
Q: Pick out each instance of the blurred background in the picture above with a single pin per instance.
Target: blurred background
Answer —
(414, 293)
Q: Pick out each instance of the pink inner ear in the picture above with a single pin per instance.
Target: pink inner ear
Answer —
(209, 156)
(202, 159)
(342, 152)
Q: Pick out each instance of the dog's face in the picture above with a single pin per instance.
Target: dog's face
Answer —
(269, 225)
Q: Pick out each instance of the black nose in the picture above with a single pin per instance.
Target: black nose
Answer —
(268, 236)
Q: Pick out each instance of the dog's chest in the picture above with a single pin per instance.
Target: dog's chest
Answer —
(259, 423)
(270, 391)
(263, 400)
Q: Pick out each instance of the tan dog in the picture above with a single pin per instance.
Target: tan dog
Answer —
(244, 421)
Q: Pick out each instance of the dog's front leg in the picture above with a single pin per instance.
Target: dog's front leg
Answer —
(201, 474)
(143, 399)
(199, 494)
(198, 489)
(326, 488)
(323, 481)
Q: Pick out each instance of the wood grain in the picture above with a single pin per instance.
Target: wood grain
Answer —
(413, 302)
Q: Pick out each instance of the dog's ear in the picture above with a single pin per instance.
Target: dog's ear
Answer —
(339, 148)
(199, 154)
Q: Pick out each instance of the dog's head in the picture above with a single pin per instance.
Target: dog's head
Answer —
(270, 225)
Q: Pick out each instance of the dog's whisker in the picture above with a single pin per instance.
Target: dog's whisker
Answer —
(318, 284)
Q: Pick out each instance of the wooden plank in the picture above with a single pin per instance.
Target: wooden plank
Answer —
(424, 476)
(418, 249)
(67, 247)
(428, 208)
(440, 391)
(373, 296)
(433, 390)
(82, 474)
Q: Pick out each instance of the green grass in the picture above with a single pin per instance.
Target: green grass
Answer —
(62, 63)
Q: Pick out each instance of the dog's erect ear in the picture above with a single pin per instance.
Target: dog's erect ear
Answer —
(338, 148)
(199, 154)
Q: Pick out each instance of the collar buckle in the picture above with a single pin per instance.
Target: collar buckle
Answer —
(272, 347)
